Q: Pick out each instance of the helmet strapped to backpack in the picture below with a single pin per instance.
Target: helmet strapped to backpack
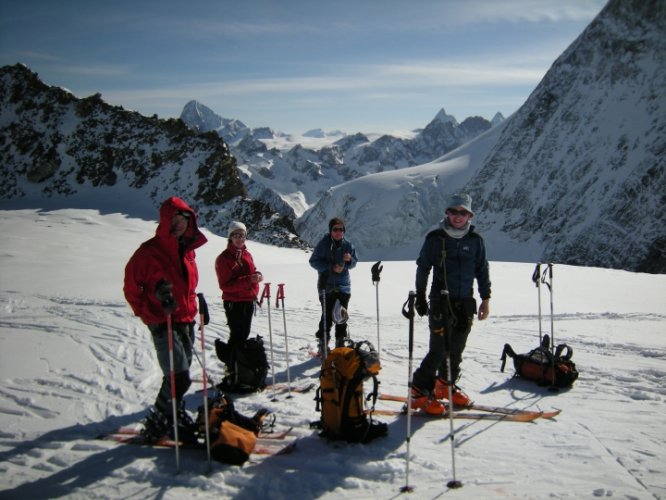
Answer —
(340, 394)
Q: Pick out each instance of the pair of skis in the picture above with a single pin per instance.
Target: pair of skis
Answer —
(471, 412)
(280, 387)
(268, 443)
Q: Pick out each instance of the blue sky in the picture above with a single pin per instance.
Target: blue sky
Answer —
(294, 65)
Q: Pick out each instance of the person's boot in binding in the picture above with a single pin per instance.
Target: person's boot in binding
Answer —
(442, 392)
(425, 401)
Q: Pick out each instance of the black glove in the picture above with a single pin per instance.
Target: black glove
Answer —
(203, 308)
(376, 271)
(421, 304)
(165, 296)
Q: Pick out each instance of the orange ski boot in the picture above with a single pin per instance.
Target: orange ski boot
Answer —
(459, 398)
(425, 401)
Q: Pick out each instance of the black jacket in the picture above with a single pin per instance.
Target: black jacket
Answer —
(465, 261)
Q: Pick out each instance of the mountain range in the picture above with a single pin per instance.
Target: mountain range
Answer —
(575, 176)
(294, 177)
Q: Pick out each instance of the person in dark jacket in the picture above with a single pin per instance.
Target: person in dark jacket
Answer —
(160, 286)
(452, 304)
(333, 257)
(239, 280)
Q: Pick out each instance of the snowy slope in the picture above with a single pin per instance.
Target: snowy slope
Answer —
(74, 362)
(387, 214)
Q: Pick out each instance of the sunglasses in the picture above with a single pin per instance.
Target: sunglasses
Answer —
(238, 235)
(338, 230)
(454, 211)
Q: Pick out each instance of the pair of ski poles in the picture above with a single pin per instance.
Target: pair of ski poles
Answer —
(203, 320)
(408, 312)
(376, 271)
(546, 278)
(279, 300)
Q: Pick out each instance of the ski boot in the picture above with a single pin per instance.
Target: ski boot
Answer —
(322, 348)
(264, 419)
(340, 341)
(155, 426)
(187, 428)
(459, 398)
(426, 402)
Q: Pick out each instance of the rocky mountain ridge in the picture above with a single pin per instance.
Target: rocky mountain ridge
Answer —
(55, 145)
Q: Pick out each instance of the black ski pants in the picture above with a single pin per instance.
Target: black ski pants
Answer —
(239, 319)
(340, 330)
(434, 363)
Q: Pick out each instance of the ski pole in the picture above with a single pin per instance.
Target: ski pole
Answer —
(552, 324)
(280, 298)
(324, 327)
(552, 387)
(537, 281)
(205, 377)
(376, 271)
(266, 294)
(172, 379)
(454, 483)
(203, 319)
(408, 312)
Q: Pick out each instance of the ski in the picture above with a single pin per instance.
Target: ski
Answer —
(272, 435)
(468, 415)
(284, 387)
(264, 446)
(280, 386)
(500, 410)
(509, 411)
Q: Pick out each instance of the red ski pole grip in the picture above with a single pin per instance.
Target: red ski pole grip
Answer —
(280, 294)
(266, 294)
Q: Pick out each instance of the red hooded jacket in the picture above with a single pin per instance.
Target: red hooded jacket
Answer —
(233, 268)
(165, 257)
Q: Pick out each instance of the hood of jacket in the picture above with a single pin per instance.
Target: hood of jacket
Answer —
(193, 237)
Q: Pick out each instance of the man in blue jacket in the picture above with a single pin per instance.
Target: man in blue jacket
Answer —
(457, 255)
(333, 257)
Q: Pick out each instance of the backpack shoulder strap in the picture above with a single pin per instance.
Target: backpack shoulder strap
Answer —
(375, 392)
(508, 351)
(563, 352)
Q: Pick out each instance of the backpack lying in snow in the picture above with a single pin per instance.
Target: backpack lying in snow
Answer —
(340, 394)
(538, 364)
(232, 436)
(249, 366)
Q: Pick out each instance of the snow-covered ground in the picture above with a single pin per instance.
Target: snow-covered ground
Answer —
(74, 362)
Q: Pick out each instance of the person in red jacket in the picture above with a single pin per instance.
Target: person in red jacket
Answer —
(160, 286)
(239, 280)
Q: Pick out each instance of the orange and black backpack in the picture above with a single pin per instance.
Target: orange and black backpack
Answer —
(233, 436)
(543, 366)
(340, 397)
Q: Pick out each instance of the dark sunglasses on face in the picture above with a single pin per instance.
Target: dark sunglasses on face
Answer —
(454, 211)
(338, 230)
